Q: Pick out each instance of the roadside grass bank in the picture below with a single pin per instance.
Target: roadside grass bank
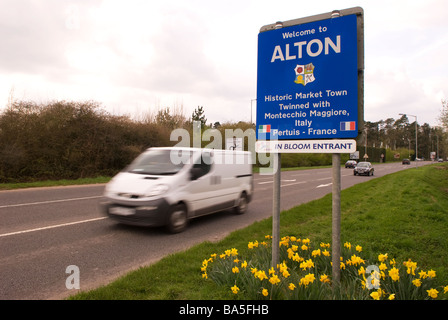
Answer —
(404, 214)
(53, 183)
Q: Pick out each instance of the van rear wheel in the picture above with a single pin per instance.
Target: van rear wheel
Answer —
(242, 204)
(178, 220)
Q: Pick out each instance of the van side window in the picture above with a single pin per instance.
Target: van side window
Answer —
(205, 164)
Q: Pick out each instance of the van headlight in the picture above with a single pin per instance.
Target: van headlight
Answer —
(157, 190)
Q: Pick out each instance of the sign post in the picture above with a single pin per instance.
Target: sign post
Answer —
(310, 97)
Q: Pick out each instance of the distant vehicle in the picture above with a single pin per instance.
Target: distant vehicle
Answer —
(440, 160)
(169, 186)
(350, 164)
(363, 168)
(406, 161)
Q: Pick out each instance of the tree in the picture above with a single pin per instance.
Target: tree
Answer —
(443, 118)
(198, 115)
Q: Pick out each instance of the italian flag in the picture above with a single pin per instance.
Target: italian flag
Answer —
(264, 128)
(348, 126)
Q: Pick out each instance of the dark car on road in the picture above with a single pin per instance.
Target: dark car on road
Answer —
(350, 164)
(363, 168)
(406, 161)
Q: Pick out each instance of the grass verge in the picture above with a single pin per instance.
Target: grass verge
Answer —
(404, 214)
(53, 183)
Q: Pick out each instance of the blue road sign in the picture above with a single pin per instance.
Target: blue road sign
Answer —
(307, 81)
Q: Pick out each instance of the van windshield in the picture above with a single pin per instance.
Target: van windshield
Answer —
(155, 162)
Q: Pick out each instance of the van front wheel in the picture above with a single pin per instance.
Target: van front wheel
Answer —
(242, 204)
(178, 219)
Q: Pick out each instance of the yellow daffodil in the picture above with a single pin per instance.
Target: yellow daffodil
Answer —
(297, 258)
(355, 260)
(394, 274)
(284, 243)
(385, 268)
(324, 245)
(361, 271)
(261, 275)
(376, 295)
(411, 266)
(382, 257)
(422, 274)
(307, 264)
(324, 278)
(282, 267)
(309, 278)
(290, 253)
(274, 279)
(432, 293)
(417, 282)
(235, 289)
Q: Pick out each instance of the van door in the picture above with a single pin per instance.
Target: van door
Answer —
(204, 188)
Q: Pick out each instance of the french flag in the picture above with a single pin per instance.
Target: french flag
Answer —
(348, 126)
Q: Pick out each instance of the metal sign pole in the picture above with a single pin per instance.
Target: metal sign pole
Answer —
(336, 219)
(276, 210)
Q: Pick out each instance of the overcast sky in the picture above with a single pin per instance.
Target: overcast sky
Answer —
(136, 57)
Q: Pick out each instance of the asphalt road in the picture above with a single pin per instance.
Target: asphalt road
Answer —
(45, 230)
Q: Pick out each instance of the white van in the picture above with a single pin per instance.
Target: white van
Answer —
(169, 186)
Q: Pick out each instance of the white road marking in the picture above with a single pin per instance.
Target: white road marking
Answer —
(324, 185)
(51, 227)
(46, 202)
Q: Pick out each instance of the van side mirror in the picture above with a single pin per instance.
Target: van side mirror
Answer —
(195, 173)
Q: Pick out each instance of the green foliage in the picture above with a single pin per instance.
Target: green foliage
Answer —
(70, 140)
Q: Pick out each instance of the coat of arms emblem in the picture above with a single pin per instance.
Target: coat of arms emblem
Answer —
(304, 74)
